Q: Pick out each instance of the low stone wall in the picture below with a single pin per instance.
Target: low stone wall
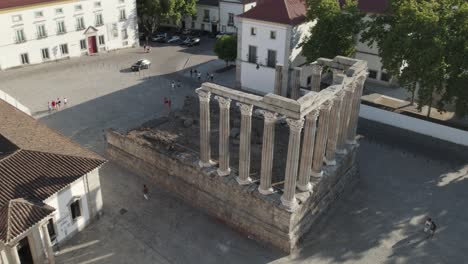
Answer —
(242, 207)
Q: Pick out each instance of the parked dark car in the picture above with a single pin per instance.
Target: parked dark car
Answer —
(141, 64)
(159, 37)
(193, 42)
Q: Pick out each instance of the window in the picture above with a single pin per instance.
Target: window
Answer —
(273, 34)
(16, 18)
(19, 36)
(252, 54)
(41, 31)
(206, 15)
(97, 4)
(78, 8)
(385, 76)
(24, 58)
(99, 21)
(231, 19)
(45, 54)
(124, 34)
(309, 80)
(101, 40)
(372, 74)
(59, 11)
(80, 23)
(271, 60)
(253, 31)
(61, 27)
(38, 14)
(122, 15)
(83, 44)
(75, 209)
(64, 49)
(51, 229)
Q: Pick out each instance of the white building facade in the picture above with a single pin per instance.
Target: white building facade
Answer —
(229, 10)
(53, 30)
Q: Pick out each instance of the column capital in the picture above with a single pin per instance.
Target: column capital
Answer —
(224, 103)
(270, 117)
(312, 116)
(295, 124)
(339, 96)
(316, 68)
(326, 105)
(246, 109)
(204, 96)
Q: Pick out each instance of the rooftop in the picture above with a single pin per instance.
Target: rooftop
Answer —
(4, 4)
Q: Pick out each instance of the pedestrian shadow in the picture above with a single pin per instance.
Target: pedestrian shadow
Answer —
(413, 240)
(126, 70)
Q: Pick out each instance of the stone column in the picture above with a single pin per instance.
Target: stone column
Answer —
(356, 104)
(333, 130)
(205, 148)
(245, 143)
(321, 139)
(316, 77)
(12, 256)
(296, 83)
(344, 118)
(278, 79)
(48, 244)
(288, 198)
(268, 146)
(303, 183)
(224, 105)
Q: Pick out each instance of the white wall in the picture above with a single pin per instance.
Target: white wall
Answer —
(225, 8)
(12, 101)
(10, 51)
(64, 224)
(199, 23)
(262, 79)
(450, 134)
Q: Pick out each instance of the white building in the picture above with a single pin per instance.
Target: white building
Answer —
(206, 18)
(36, 31)
(270, 34)
(229, 10)
(50, 188)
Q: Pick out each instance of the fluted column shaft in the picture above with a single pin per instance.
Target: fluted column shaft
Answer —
(344, 119)
(205, 148)
(356, 104)
(333, 130)
(296, 83)
(321, 139)
(224, 105)
(278, 79)
(48, 244)
(288, 198)
(268, 147)
(245, 143)
(316, 78)
(310, 128)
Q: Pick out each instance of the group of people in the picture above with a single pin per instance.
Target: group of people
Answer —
(146, 48)
(198, 74)
(173, 85)
(56, 104)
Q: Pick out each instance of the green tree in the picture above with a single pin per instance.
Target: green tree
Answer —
(424, 43)
(151, 13)
(226, 48)
(336, 30)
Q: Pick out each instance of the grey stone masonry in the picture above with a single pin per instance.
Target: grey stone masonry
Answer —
(321, 139)
(268, 147)
(278, 79)
(245, 142)
(296, 83)
(356, 103)
(316, 77)
(205, 148)
(303, 182)
(288, 199)
(224, 105)
(333, 129)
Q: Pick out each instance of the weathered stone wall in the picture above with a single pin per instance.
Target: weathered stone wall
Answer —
(242, 207)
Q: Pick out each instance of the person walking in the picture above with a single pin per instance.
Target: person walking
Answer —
(145, 192)
(179, 84)
(207, 76)
(191, 73)
(53, 105)
(199, 76)
(173, 86)
(211, 77)
(65, 101)
(432, 229)
(57, 103)
(49, 106)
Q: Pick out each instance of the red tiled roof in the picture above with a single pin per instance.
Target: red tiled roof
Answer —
(19, 215)
(290, 12)
(20, 3)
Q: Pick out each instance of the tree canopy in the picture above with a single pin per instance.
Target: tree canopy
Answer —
(152, 13)
(425, 43)
(226, 48)
(336, 30)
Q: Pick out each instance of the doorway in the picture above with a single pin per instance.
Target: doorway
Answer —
(24, 252)
(214, 28)
(92, 45)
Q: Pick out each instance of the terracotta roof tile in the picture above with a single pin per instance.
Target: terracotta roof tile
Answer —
(290, 12)
(20, 3)
(19, 215)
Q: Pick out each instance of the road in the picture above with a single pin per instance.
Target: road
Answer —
(404, 177)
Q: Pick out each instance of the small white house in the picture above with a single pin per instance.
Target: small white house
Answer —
(49, 191)
(229, 10)
(37, 31)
